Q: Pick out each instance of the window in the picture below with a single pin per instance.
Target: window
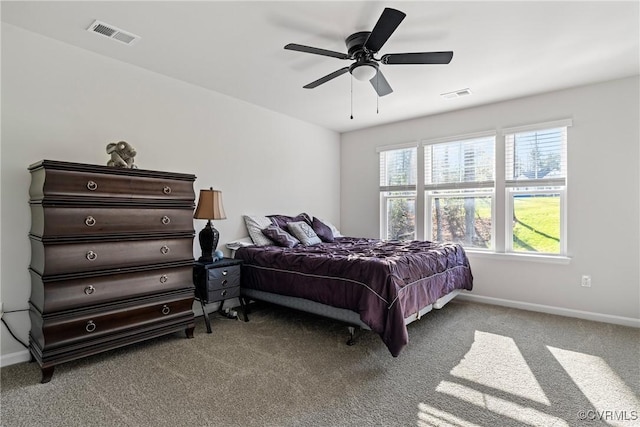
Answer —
(459, 182)
(448, 190)
(398, 172)
(535, 179)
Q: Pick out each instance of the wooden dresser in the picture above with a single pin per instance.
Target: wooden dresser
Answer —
(111, 258)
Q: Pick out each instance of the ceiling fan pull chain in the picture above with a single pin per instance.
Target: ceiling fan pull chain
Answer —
(377, 92)
(351, 97)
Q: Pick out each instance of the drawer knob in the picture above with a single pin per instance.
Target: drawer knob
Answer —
(90, 326)
(166, 189)
(223, 293)
(224, 272)
(92, 186)
(224, 282)
(166, 220)
(164, 278)
(165, 249)
(90, 221)
(91, 256)
(89, 290)
(165, 309)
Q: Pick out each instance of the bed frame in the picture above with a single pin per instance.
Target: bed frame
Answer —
(351, 318)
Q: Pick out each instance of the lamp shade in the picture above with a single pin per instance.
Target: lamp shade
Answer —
(364, 72)
(210, 205)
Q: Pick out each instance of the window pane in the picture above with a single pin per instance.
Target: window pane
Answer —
(536, 223)
(398, 167)
(401, 218)
(465, 220)
(536, 155)
(466, 161)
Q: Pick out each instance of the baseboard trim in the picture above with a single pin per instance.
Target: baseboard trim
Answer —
(567, 312)
(15, 358)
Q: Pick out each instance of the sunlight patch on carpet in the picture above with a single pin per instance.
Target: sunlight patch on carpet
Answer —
(495, 361)
(611, 397)
(497, 405)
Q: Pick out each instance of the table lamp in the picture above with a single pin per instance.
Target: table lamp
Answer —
(209, 208)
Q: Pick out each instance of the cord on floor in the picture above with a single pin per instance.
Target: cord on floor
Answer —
(9, 329)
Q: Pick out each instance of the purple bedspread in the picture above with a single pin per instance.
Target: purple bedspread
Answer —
(383, 281)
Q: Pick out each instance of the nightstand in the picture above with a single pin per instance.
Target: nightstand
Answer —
(217, 282)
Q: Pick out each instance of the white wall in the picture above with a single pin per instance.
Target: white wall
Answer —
(603, 195)
(63, 103)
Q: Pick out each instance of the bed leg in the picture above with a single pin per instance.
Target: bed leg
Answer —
(352, 335)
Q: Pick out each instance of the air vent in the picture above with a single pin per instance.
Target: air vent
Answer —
(456, 94)
(112, 32)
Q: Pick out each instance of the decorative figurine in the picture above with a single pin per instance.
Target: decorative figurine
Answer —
(122, 155)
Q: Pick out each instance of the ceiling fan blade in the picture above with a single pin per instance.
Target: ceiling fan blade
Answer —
(316, 51)
(417, 58)
(386, 25)
(380, 84)
(326, 78)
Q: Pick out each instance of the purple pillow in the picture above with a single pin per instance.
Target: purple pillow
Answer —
(281, 237)
(282, 220)
(322, 230)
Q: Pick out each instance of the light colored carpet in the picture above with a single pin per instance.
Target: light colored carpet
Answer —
(466, 365)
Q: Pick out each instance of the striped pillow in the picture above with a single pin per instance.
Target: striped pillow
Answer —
(281, 237)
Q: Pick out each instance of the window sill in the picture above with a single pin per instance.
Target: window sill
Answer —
(549, 259)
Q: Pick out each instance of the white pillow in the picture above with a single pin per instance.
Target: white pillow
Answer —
(236, 244)
(255, 224)
(304, 233)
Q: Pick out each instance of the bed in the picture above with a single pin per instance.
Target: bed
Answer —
(374, 284)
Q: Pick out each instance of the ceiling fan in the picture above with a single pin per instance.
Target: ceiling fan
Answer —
(361, 48)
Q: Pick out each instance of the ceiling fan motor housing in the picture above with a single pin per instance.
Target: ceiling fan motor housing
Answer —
(355, 44)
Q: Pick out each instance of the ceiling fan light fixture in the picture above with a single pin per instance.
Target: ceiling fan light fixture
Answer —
(364, 72)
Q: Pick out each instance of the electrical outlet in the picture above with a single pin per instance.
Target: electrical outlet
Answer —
(586, 281)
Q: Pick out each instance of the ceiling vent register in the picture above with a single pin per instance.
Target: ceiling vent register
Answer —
(115, 33)
(456, 94)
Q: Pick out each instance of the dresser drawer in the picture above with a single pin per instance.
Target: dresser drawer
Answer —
(109, 183)
(64, 221)
(67, 329)
(49, 259)
(49, 296)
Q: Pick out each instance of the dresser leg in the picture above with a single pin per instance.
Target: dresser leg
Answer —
(189, 330)
(47, 373)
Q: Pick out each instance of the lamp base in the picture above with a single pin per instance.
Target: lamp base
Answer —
(208, 237)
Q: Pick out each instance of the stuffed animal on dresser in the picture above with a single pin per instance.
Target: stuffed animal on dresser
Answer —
(122, 155)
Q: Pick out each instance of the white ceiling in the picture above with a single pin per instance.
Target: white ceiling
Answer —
(502, 50)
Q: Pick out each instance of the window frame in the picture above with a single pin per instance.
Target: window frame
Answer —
(398, 188)
(539, 186)
(501, 193)
(483, 188)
